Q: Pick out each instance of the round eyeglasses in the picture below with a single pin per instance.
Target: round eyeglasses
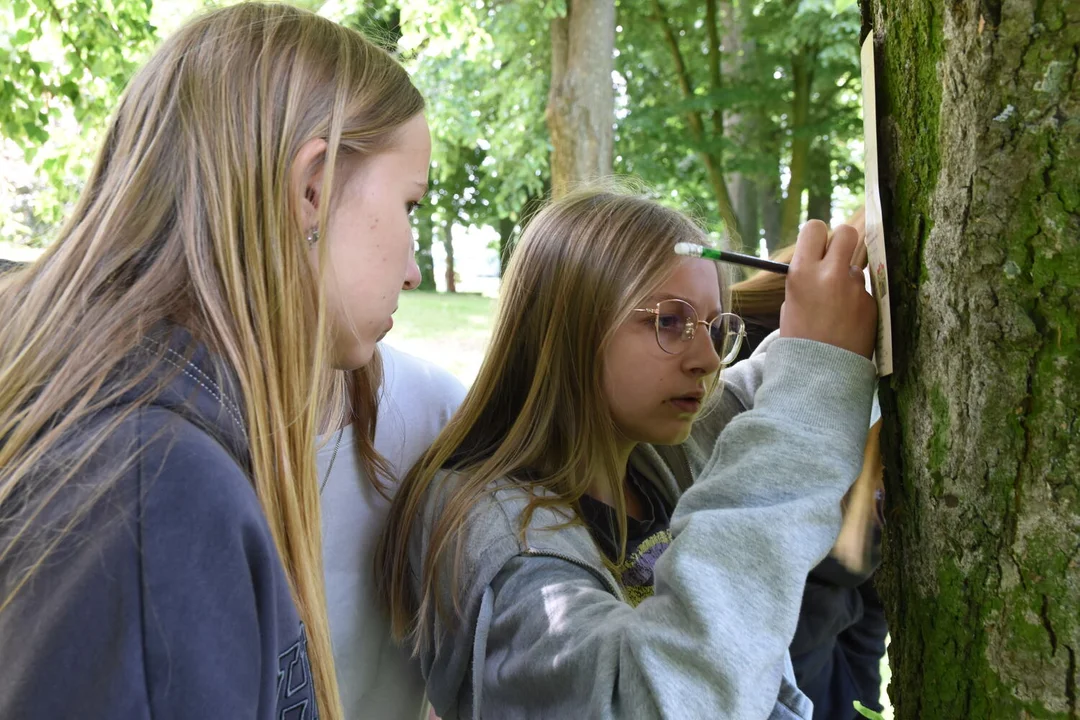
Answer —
(676, 323)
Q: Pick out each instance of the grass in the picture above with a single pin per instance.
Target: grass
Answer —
(450, 330)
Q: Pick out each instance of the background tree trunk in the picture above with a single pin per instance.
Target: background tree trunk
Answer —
(802, 72)
(425, 233)
(978, 121)
(448, 244)
(506, 242)
(769, 197)
(819, 183)
(742, 187)
(581, 102)
(744, 196)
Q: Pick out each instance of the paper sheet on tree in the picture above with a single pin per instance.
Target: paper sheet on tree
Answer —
(875, 230)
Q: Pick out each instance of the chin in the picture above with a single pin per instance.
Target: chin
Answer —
(668, 436)
(355, 357)
(682, 436)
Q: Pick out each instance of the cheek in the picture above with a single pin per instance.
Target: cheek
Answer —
(392, 246)
(630, 376)
(634, 361)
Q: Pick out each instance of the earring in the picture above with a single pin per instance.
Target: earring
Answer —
(313, 236)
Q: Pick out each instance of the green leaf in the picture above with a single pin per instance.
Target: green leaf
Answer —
(70, 90)
(20, 7)
(842, 5)
(866, 712)
(36, 133)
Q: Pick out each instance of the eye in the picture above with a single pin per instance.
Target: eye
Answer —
(668, 321)
(412, 206)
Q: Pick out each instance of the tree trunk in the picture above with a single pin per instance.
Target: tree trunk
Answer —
(744, 196)
(581, 102)
(769, 196)
(743, 189)
(819, 183)
(978, 122)
(425, 231)
(448, 245)
(802, 73)
(506, 239)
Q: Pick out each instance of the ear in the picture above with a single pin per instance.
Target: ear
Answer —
(306, 178)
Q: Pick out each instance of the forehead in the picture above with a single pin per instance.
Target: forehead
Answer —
(696, 281)
(414, 135)
(408, 156)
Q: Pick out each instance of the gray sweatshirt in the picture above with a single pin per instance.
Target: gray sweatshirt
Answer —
(546, 631)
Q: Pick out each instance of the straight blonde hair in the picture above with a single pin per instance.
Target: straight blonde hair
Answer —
(536, 413)
(189, 217)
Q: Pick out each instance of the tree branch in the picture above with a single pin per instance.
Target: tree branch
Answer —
(712, 161)
(52, 10)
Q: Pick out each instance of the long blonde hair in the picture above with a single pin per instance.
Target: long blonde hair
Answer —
(537, 412)
(189, 217)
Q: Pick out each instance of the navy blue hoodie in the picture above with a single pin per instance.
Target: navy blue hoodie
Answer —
(167, 598)
(839, 641)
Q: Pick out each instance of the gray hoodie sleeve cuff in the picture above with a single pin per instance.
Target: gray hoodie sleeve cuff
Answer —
(804, 376)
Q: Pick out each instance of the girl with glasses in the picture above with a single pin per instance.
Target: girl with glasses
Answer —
(606, 529)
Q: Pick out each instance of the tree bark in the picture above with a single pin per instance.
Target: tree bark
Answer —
(581, 102)
(802, 73)
(978, 125)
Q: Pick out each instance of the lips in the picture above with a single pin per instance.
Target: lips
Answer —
(389, 327)
(687, 403)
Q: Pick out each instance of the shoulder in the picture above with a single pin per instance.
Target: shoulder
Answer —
(161, 551)
(416, 401)
(493, 531)
(184, 466)
(177, 488)
(411, 377)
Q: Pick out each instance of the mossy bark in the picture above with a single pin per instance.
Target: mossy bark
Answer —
(979, 128)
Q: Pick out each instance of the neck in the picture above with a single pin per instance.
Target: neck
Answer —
(337, 405)
(602, 488)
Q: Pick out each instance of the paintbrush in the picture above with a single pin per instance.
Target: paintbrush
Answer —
(692, 250)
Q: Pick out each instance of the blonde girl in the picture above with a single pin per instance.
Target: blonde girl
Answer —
(164, 366)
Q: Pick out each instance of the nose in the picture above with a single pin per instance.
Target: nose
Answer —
(700, 358)
(412, 275)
